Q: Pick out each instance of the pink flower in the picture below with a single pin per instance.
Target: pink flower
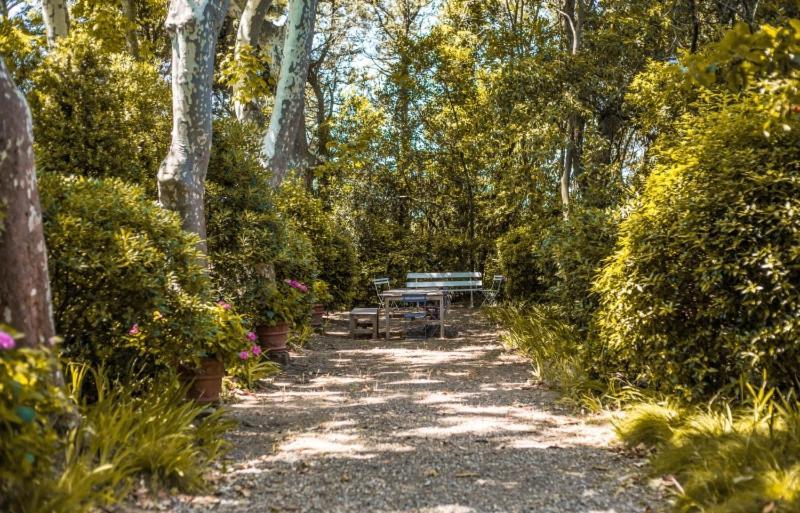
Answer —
(251, 336)
(296, 285)
(224, 305)
(256, 350)
(134, 329)
(7, 341)
(244, 355)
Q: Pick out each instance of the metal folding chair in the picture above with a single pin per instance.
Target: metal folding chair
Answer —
(380, 285)
(490, 295)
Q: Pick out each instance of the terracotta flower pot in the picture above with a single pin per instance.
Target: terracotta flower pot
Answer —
(273, 338)
(317, 311)
(206, 382)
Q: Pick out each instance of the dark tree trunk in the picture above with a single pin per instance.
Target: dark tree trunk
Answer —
(25, 302)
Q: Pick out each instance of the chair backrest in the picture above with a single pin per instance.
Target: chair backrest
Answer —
(414, 298)
(497, 281)
(454, 281)
(380, 285)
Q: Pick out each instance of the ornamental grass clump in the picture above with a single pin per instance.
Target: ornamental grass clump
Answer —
(88, 448)
(723, 459)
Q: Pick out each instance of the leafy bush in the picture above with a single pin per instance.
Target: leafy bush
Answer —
(120, 437)
(724, 460)
(29, 405)
(528, 274)
(333, 249)
(702, 287)
(245, 232)
(98, 114)
(579, 245)
(128, 284)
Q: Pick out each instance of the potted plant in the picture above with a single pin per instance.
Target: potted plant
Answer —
(273, 317)
(321, 297)
(225, 340)
(212, 337)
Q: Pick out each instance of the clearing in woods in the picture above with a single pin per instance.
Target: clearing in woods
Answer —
(433, 426)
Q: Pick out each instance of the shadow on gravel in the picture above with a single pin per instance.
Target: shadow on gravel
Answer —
(440, 426)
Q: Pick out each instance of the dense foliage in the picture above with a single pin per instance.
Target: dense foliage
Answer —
(128, 285)
(703, 285)
(98, 114)
(246, 233)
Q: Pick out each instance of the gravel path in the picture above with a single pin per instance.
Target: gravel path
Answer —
(428, 426)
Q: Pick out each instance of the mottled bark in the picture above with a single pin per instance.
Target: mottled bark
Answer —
(281, 137)
(251, 27)
(129, 11)
(24, 283)
(56, 19)
(194, 27)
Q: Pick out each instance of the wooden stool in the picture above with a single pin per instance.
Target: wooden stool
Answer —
(364, 314)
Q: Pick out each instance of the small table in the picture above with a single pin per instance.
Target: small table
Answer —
(396, 295)
(364, 313)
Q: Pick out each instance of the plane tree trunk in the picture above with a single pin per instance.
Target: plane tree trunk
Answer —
(251, 28)
(279, 145)
(194, 27)
(56, 19)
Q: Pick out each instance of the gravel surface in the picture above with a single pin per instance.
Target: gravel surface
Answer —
(428, 426)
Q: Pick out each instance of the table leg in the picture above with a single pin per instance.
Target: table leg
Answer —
(386, 327)
(441, 317)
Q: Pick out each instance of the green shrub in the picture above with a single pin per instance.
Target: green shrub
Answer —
(529, 272)
(29, 406)
(245, 232)
(128, 284)
(120, 437)
(98, 114)
(296, 269)
(579, 245)
(702, 287)
(333, 249)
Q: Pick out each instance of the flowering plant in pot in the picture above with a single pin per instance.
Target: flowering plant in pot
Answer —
(273, 316)
(320, 297)
(218, 336)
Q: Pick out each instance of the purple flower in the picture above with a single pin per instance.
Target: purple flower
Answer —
(7, 341)
(224, 305)
(256, 350)
(251, 336)
(244, 355)
(134, 329)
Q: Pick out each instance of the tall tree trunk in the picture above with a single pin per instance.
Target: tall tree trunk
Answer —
(24, 283)
(194, 26)
(281, 137)
(56, 19)
(129, 11)
(572, 22)
(251, 25)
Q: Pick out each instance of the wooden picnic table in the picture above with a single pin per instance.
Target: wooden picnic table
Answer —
(391, 296)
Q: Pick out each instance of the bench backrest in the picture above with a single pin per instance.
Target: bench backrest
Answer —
(458, 281)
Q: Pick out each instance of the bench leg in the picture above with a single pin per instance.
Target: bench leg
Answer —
(352, 327)
(375, 321)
